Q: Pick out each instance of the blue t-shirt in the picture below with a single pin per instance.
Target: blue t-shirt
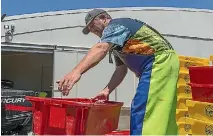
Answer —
(119, 31)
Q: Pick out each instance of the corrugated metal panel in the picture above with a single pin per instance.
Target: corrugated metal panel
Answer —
(95, 79)
(167, 21)
(80, 11)
(126, 90)
(191, 47)
(63, 63)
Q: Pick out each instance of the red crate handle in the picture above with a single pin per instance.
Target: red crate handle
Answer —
(54, 103)
(82, 121)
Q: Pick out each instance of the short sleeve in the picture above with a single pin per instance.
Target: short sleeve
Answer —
(115, 34)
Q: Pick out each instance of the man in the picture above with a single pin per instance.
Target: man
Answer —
(144, 51)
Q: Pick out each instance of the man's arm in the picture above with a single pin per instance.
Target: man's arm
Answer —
(117, 77)
(94, 56)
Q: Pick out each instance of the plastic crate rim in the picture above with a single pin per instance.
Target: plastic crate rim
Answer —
(201, 85)
(50, 101)
(200, 67)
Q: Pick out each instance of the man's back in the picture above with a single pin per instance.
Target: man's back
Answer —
(136, 35)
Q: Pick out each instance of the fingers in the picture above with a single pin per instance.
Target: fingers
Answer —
(96, 98)
(99, 99)
(71, 84)
(60, 82)
(100, 96)
(67, 88)
(65, 85)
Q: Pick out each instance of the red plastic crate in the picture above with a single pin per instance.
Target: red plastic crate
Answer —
(120, 132)
(55, 116)
(202, 92)
(201, 75)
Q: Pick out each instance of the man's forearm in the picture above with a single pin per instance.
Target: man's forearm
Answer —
(117, 78)
(94, 56)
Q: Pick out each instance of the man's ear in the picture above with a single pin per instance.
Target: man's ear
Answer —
(105, 22)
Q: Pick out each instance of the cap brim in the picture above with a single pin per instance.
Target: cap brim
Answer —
(85, 30)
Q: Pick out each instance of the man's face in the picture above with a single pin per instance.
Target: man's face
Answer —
(97, 26)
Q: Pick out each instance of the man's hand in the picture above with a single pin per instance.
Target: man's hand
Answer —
(103, 95)
(69, 80)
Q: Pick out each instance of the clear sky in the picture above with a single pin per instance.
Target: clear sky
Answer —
(17, 7)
